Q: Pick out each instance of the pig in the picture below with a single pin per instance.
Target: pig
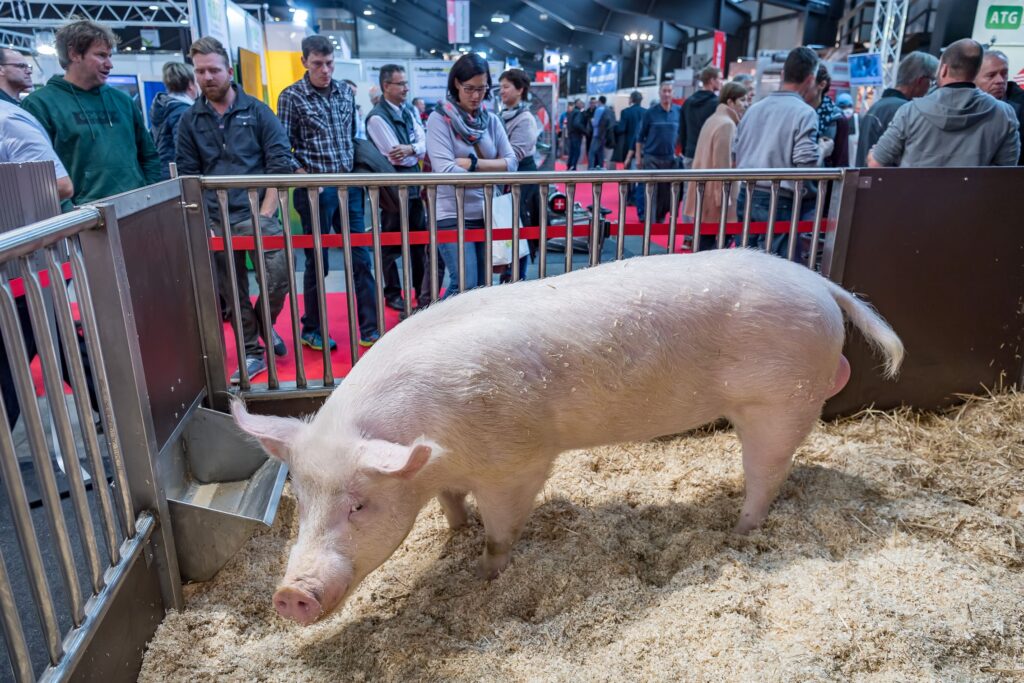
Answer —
(481, 392)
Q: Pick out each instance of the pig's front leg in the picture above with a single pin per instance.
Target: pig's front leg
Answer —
(504, 511)
(454, 506)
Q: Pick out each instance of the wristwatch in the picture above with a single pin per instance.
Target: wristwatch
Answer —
(472, 162)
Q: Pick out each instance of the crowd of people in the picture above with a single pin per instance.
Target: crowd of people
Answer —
(960, 110)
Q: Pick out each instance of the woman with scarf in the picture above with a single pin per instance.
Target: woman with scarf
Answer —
(463, 137)
(521, 127)
(832, 124)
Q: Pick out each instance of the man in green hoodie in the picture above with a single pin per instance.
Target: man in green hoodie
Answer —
(97, 131)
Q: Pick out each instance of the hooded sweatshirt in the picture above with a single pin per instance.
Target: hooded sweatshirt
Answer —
(100, 136)
(957, 125)
(164, 116)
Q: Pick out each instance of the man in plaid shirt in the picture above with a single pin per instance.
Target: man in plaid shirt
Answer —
(319, 115)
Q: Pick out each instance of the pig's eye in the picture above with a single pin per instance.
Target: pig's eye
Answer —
(357, 507)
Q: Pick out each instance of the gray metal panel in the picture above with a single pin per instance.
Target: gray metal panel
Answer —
(940, 253)
(28, 193)
(156, 255)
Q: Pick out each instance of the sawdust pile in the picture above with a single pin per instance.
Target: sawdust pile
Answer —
(894, 553)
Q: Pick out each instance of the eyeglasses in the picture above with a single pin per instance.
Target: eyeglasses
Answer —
(400, 84)
(18, 65)
(473, 90)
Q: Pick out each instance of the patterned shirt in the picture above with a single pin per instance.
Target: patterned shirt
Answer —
(321, 128)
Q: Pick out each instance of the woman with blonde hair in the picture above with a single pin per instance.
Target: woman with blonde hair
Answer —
(714, 150)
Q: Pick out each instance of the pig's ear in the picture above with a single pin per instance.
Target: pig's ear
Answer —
(395, 460)
(275, 434)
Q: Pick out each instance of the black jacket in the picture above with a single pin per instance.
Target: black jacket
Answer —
(875, 121)
(248, 140)
(164, 116)
(1015, 98)
(577, 124)
(696, 110)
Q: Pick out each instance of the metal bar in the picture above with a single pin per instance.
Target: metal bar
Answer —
(723, 214)
(378, 256)
(620, 235)
(595, 224)
(841, 214)
(25, 531)
(570, 215)
(542, 246)
(403, 210)
(673, 216)
(204, 288)
(17, 356)
(460, 226)
(83, 292)
(14, 636)
(794, 220)
(525, 178)
(80, 390)
(488, 236)
(78, 640)
(350, 287)
(233, 293)
(435, 286)
(748, 204)
(819, 210)
(293, 299)
(698, 215)
(35, 236)
(264, 291)
(103, 256)
(313, 194)
(773, 206)
(516, 206)
(648, 214)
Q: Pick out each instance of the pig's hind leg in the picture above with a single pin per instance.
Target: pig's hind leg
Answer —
(453, 504)
(504, 510)
(770, 436)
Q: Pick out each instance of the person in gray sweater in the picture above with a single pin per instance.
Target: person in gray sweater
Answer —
(463, 137)
(957, 125)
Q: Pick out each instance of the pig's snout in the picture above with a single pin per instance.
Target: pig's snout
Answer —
(297, 604)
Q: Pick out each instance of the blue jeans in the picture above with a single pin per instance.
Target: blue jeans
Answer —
(476, 265)
(760, 209)
(362, 262)
(575, 147)
(595, 154)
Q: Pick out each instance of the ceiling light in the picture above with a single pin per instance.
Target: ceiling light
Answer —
(143, 48)
(499, 18)
(483, 54)
(631, 36)
(300, 17)
(185, 21)
(482, 32)
(433, 52)
(292, 10)
(368, 12)
(128, 49)
(543, 16)
(153, 7)
(565, 59)
(370, 27)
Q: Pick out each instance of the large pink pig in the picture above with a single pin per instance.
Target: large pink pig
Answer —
(479, 394)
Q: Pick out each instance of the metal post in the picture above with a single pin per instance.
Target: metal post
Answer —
(403, 212)
(233, 294)
(293, 299)
(103, 258)
(260, 264)
(350, 285)
(620, 235)
(378, 255)
(570, 215)
(432, 228)
(542, 263)
(595, 224)
(488, 236)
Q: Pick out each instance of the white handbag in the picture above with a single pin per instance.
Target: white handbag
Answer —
(502, 217)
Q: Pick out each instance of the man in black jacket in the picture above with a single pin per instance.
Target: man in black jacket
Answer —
(994, 78)
(914, 78)
(227, 132)
(577, 129)
(697, 109)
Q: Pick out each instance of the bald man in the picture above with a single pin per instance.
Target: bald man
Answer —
(957, 125)
(994, 78)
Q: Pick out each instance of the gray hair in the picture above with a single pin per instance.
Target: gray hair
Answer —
(177, 77)
(916, 65)
(998, 54)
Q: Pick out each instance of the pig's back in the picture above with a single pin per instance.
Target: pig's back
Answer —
(626, 350)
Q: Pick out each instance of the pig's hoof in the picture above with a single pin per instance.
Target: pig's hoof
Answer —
(491, 566)
(746, 525)
(457, 521)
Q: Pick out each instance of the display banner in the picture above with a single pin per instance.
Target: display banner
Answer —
(718, 53)
(428, 78)
(603, 77)
(458, 22)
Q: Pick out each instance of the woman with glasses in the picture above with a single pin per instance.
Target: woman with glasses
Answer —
(463, 137)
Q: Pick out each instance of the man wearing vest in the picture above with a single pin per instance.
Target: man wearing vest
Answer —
(395, 129)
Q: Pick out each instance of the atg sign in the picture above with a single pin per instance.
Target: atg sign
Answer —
(1000, 22)
(1003, 17)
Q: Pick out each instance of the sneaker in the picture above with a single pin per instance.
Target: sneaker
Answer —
(279, 348)
(253, 366)
(370, 340)
(315, 341)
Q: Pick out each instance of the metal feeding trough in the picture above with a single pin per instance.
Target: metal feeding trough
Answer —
(221, 488)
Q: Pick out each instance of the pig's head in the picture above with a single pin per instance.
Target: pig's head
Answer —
(357, 501)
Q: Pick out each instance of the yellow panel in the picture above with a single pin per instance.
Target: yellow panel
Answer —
(283, 69)
(251, 73)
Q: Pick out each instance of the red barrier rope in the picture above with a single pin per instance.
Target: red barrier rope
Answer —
(18, 285)
(394, 239)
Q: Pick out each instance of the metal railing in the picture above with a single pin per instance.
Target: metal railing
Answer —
(44, 283)
(773, 185)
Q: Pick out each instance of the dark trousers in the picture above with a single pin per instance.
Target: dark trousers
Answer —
(362, 270)
(575, 145)
(662, 191)
(391, 222)
(277, 283)
(7, 384)
(760, 210)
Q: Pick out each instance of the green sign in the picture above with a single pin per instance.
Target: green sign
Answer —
(1003, 17)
